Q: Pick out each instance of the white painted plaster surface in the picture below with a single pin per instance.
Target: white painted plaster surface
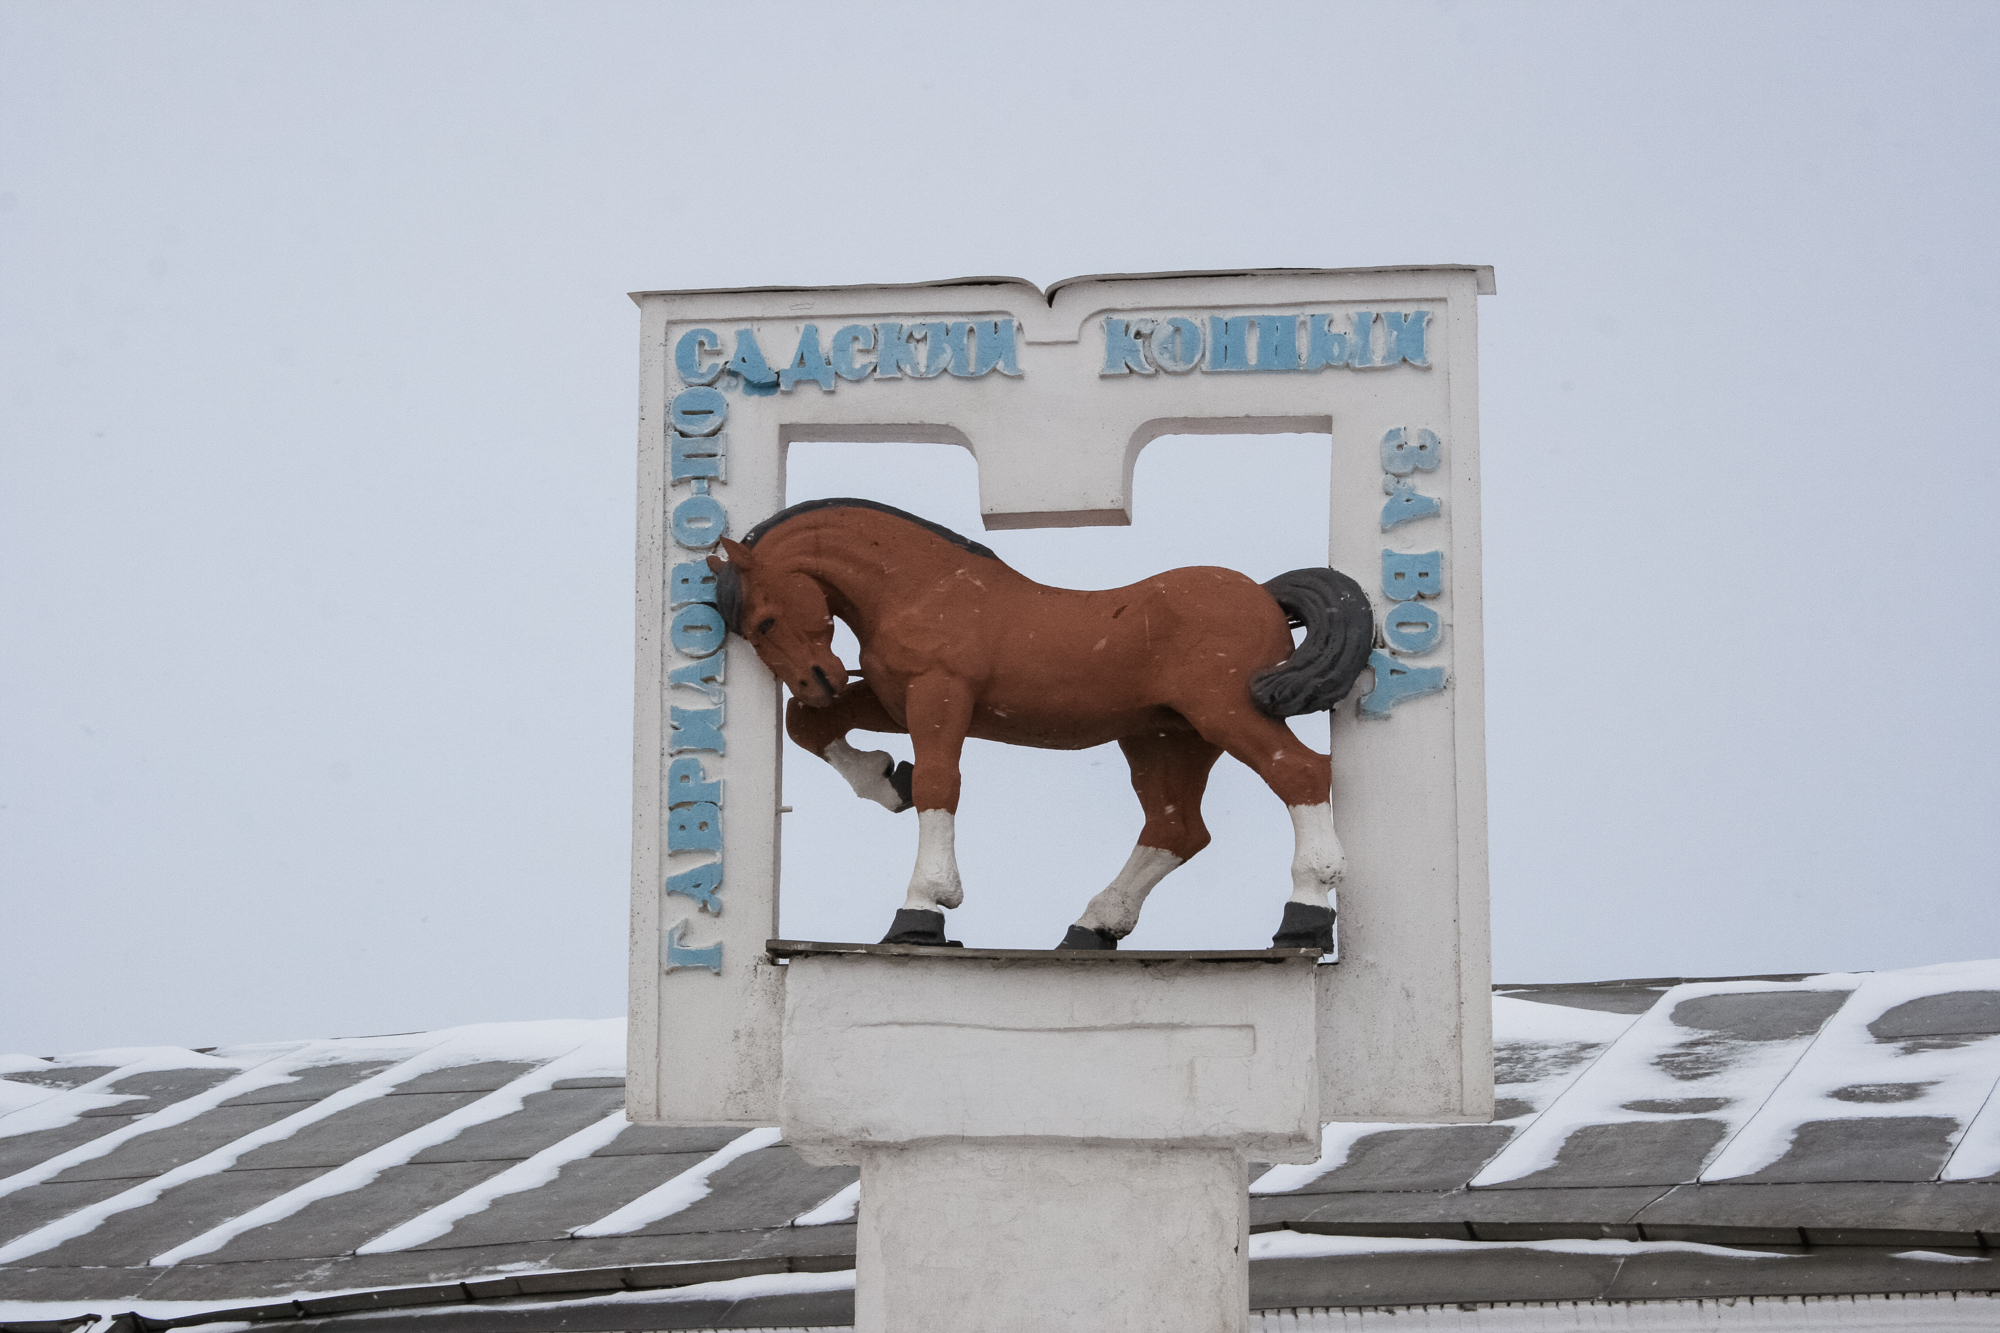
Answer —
(1109, 1239)
(904, 1050)
(1405, 1032)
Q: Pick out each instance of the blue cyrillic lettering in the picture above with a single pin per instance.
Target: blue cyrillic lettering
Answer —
(1176, 345)
(809, 363)
(1277, 342)
(680, 956)
(687, 782)
(1411, 627)
(759, 380)
(1122, 353)
(692, 581)
(1404, 453)
(847, 341)
(1406, 337)
(893, 354)
(704, 675)
(1228, 343)
(1395, 682)
(691, 456)
(698, 412)
(697, 630)
(694, 828)
(695, 729)
(1408, 576)
(1405, 503)
(993, 347)
(687, 356)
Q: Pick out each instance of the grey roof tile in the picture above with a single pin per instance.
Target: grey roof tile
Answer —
(1910, 1147)
(1829, 1206)
(354, 1130)
(151, 1153)
(1430, 1157)
(1612, 998)
(1503, 1274)
(25, 1209)
(1950, 1014)
(766, 1188)
(668, 1139)
(544, 1117)
(341, 1222)
(790, 1311)
(582, 1192)
(313, 1083)
(80, 1286)
(1573, 1212)
(18, 1152)
(1684, 1275)
(160, 1088)
(485, 1076)
(61, 1076)
(1760, 1015)
(1631, 1152)
(180, 1214)
(1626, 1121)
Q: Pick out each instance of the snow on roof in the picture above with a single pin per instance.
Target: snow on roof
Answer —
(1651, 1123)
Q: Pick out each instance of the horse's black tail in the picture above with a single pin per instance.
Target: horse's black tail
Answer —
(1340, 632)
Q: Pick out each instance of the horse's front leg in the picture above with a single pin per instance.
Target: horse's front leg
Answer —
(938, 709)
(874, 774)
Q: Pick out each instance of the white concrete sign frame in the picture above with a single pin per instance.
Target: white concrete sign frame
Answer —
(1054, 395)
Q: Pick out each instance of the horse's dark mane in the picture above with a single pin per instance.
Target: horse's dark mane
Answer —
(729, 582)
(758, 533)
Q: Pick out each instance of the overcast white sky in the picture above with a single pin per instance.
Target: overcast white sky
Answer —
(317, 382)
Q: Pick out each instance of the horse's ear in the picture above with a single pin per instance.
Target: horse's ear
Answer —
(739, 555)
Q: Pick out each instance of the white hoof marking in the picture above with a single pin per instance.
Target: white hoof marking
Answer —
(1116, 910)
(934, 883)
(1318, 863)
(867, 771)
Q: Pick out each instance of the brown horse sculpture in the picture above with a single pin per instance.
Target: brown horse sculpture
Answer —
(1177, 669)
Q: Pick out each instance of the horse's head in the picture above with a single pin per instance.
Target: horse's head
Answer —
(784, 615)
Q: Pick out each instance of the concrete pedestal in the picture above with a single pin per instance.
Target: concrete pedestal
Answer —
(1050, 1144)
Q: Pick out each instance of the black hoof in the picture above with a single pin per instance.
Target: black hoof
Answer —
(1087, 937)
(915, 926)
(900, 777)
(1305, 927)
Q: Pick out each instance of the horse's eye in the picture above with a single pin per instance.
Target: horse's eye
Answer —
(764, 625)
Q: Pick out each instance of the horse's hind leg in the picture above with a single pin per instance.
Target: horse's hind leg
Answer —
(1169, 774)
(1303, 779)
(874, 775)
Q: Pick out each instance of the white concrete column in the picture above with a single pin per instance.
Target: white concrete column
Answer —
(1028, 1238)
(1050, 1144)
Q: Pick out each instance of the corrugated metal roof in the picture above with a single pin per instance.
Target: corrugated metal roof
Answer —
(1654, 1139)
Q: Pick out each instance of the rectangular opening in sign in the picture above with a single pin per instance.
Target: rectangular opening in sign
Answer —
(1040, 831)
